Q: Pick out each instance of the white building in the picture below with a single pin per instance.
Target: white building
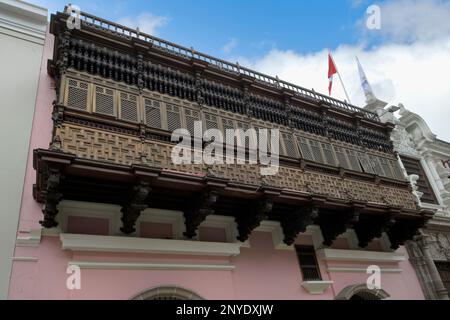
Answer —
(22, 33)
(426, 164)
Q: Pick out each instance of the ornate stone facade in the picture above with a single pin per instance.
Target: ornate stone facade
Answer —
(413, 139)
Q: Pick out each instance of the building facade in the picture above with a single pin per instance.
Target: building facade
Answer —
(106, 214)
(426, 162)
(22, 34)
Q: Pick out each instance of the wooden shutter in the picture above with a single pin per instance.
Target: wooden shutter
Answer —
(342, 158)
(211, 121)
(173, 117)
(152, 110)
(289, 146)
(397, 171)
(328, 152)
(128, 107)
(353, 160)
(77, 95)
(386, 167)
(104, 101)
(413, 166)
(191, 116)
(316, 151)
(376, 165)
(305, 149)
(365, 163)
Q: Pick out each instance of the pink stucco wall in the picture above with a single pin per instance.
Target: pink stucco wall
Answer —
(261, 272)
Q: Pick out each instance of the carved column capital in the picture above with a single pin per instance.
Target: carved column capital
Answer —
(197, 211)
(250, 218)
(52, 197)
(132, 210)
(296, 222)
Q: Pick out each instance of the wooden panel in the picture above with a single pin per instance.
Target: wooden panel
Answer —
(153, 113)
(77, 95)
(413, 166)
(128, 107)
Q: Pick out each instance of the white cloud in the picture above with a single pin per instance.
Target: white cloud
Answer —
(413, 73)
(146, 22)
(230, 45)
(413, 20)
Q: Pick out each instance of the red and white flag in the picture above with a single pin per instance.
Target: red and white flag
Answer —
(331, 71)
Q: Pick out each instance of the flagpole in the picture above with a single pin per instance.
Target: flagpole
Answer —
(342, 82)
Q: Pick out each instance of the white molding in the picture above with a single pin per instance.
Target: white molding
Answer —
(79, 242)
(89, 210)
(359, 255)
(25, 259)
(274, 227)
(385, 242)
(430, 176)
(226, 222)
(23, 20)
(149, 266)
(174, 218)
(352, 239)
(316, 234)
(277, 234)
(33, 240)
(362, 270)
(316, 287)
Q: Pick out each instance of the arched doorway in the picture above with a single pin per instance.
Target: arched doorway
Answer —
(361, 292)
(167, 293)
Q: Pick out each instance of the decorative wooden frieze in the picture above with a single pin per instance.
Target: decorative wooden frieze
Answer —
(132, 210)
(250, 218)
(197, 211)
(90, 143)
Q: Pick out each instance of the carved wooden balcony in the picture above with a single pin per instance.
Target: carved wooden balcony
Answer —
(121, 93)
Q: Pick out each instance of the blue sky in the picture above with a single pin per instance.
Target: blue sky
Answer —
(406, 61)
(250, 28)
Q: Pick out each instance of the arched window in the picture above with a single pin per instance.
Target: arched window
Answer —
(361, 292)
(167, 293)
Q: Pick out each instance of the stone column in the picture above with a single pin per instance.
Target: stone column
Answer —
(426, 270)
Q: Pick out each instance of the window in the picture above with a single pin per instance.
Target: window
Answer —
(77, 95)
(444, 272)
(128, 107)
(104, 101)
(308, 263)
(289, 146)
(413, 166)
(152, 113)
(329, 154)
(365, 163)
(191, 117)
(353, 160)
(305, 149)
(173, 117)
(342, 158)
